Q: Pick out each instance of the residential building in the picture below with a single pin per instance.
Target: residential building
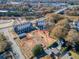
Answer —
(41, 24)
(23, 28)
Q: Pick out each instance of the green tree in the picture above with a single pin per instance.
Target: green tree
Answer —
(37, 49)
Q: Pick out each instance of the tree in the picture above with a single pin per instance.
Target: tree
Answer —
(54, 18)
(37, 49)
(73, 12)
(60, 29)
(3, 43)
(72, 36)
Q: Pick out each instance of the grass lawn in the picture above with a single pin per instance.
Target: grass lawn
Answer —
(74, 55)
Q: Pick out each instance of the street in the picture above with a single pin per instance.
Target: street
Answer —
(15, 48)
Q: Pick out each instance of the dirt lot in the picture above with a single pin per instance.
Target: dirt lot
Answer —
(35, 37)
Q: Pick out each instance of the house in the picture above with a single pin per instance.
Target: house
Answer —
(75, 25)
(41, 24)
(52, 50)
(23, 28)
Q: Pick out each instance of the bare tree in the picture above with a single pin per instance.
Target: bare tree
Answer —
(61, 29)
(3, 43)
(73, 36)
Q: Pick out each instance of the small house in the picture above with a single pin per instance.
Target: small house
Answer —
(41, 24)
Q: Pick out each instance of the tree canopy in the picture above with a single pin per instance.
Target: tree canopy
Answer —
(37, 49)
(73, 36)
(3, 43)
(60, 29)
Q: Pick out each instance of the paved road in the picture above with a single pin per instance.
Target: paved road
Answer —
(63, 9)
(60, 10)
(7, 24)
(15, 48)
